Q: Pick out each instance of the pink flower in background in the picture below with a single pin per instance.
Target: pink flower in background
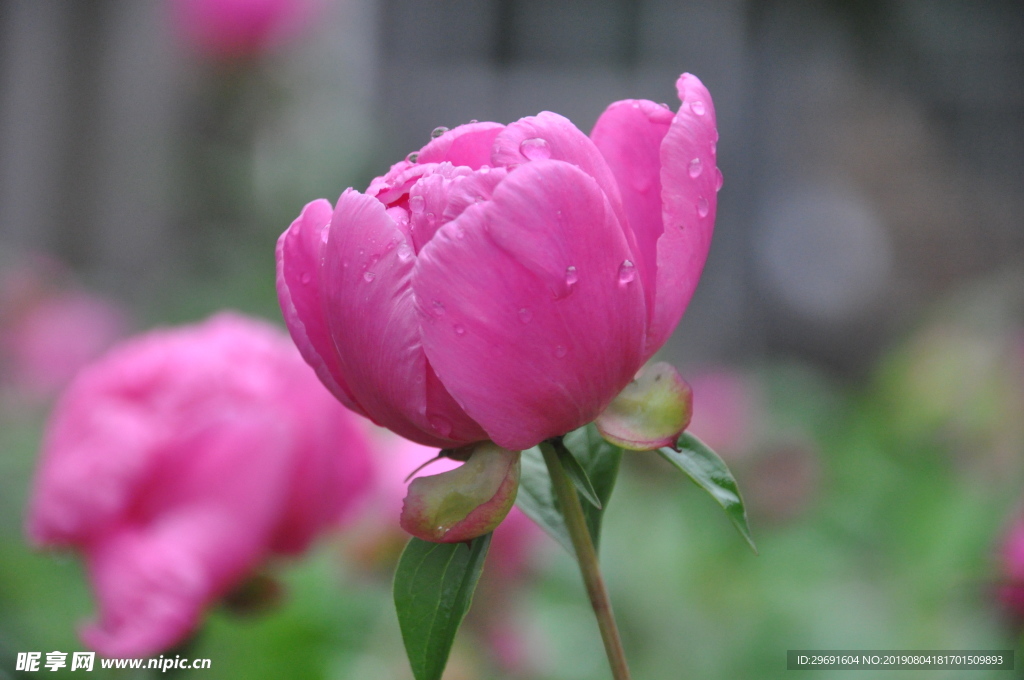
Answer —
(727, 410)
(180, 462)
(238, 29)
(1011, 590)
(508, 281)
(49, 329)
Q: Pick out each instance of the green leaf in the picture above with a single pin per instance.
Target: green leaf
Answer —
(433, 589)
(710, 473)
(596, 457)
(577, 474)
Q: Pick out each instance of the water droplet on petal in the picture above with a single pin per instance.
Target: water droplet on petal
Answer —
(703, 207)
(474, 120)
(438, 131)
(525, 315)
(369, 276)
(437, 308)
(697, 106)
(413, 157)
(535, 149)
(484, 169)
(696, 168)
(404, 252)
(636, 105)
(323, 235)
(459, 329)
(306, 278)
(561, 351)
(718, 179)
(416, 204)
(627, 273)
(714, 148)
(571, 276)
(441, 425)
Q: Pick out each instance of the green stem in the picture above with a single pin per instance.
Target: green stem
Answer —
(586, 555)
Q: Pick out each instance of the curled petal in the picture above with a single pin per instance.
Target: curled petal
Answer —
(651, 412)
(466, 502)
(370, 309)
(299, 254)
(533, 317)
(690, 199)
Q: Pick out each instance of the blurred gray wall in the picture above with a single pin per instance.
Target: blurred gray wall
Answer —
(873, 151)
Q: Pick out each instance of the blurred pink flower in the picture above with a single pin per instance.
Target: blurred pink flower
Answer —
(239, 29)
(726, 410)
(1011, 589)
(508, 281)
(181, 461)
(49, 329)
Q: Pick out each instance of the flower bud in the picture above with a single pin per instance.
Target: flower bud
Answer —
(466, 502)
(650, 412)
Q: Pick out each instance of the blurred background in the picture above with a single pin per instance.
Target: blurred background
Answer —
(856, 344)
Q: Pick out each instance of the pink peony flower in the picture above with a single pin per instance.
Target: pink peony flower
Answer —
(183, 459)
(508, 281)
(238, 29)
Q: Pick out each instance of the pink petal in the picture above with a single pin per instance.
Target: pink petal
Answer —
(629, 135)
(331, 467)
(465, 145)
(192, 540)
(372, 315)
(94, 455)
(551, 136)
(525, 319)
(690, 201)
(299, 257)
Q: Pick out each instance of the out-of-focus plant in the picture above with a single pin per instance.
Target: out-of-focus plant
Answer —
(50, 327)
(183, 460)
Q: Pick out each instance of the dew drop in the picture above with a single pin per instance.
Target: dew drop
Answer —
(459, 232)
(441, 425)
(703, 206)
(697, 106)
(474, 120)
(636, 105)
(323, 235)
(718, 179)
(627, 273)
(437, 308)
(484, 169)
(714, 148)
(571, 276)
(416, 204)
(535, 149)
(459, 329)
(369, 276)
(561, 351)
(438, 131)
(413, 157)
(306, 278)
(696, 168)
(525, 315)
(404, 252)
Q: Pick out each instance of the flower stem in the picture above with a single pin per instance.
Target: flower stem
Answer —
(586, 556)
